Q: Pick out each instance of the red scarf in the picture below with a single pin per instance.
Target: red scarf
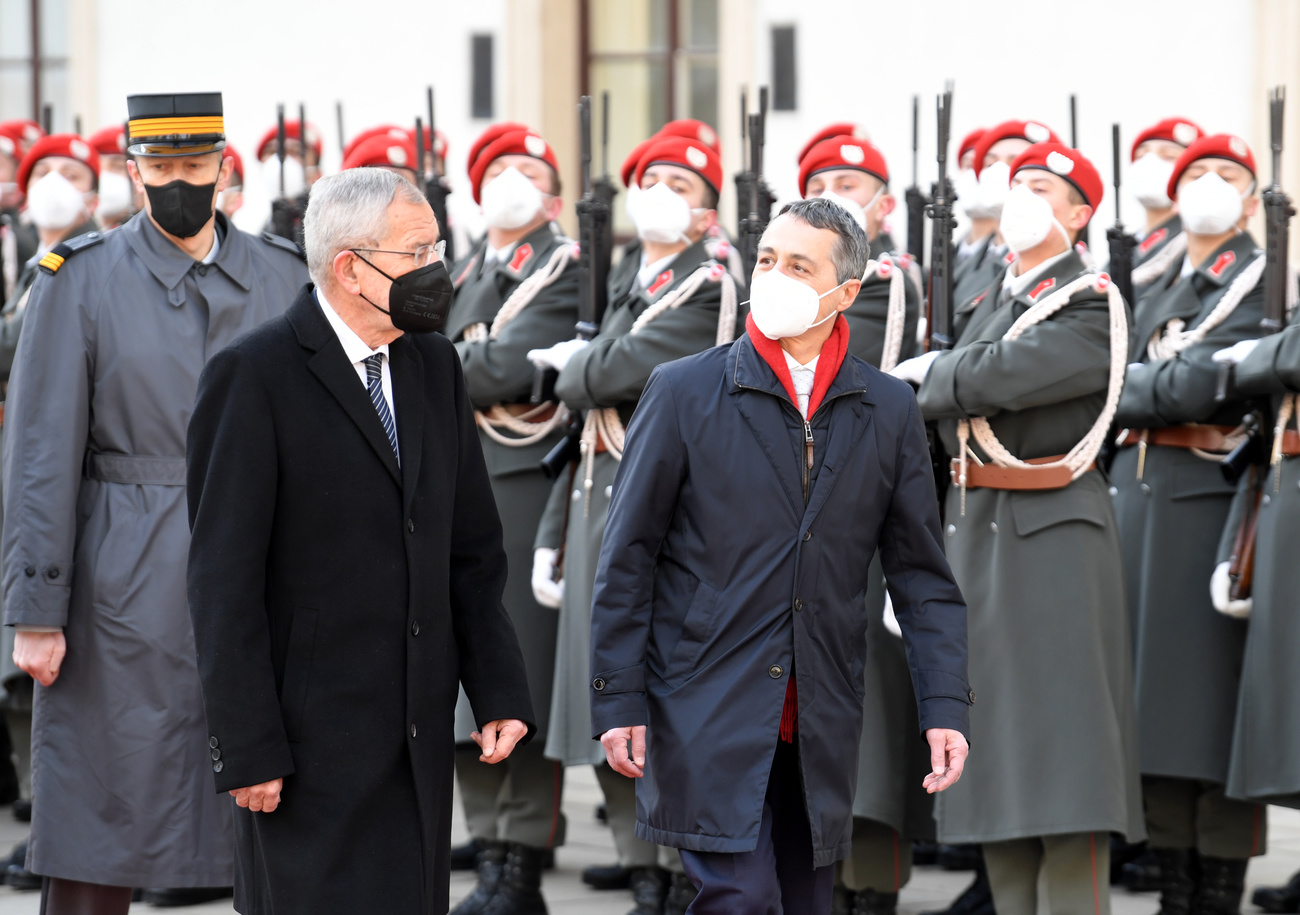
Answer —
(828, 366)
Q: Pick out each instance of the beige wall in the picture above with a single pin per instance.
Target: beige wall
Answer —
(1277, 62)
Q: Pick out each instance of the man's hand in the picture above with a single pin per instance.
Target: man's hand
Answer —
(1234, 354)
(557, 356)
(40, 654)
(914, 370)
(615, 742)
(546, 590)
(263, 798)
(498, 738)
(948, 752)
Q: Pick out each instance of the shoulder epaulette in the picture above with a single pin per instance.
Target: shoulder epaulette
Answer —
(53, 260)
(287, 244)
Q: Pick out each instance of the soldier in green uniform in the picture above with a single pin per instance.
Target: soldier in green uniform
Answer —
(514, 808)
(1172, 503)
(890, 807)
(679, 301)
(1025, 400)
(1154, 152)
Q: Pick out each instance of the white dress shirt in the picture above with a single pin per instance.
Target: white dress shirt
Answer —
(803, 377)
(357, 352)
(1014, 285)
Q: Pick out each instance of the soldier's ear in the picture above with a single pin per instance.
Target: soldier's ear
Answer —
(552, 207)
(223, 174)
(888, 203)
(1081, 217)
(1249, 207)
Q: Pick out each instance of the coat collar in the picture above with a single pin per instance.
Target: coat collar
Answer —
(1057, 275)
(528, 253)
(169, 264)
(1177, 296)
(1222, 267)
(683, 265)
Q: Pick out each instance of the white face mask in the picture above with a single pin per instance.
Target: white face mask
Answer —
(784, 307)
(1027, 219)
(1149, 179)
(1209, 205)
(510, 200)
(661, 215)
(995, 184)
(856, 210)
(54, 203)
(630, 202)
(115, 194)
(967, 187)
(295, 180)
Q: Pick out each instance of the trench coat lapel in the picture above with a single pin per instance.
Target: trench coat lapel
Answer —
(330, 364)
(752, 383)
(407, 367)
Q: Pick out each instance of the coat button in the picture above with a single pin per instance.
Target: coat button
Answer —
(412, 730)
(993, 526)
(971, 696)
(216, 755)
(1114, 490)
(952, 529)
(218, 766)
(598, 684)
(29, 571)
(410, 525)
(415, 628)
(798, 604)
(775, 671)
(212, 742)
(577, 495)
(1146, 489)
(807, 535)
(53, 573)
(1267, 499)
(609, 492)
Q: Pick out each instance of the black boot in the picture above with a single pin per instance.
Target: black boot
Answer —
(1220, 885)
(16, 873)
(960, 857)
(1123, 852)
(465, 857)
(976, 900)
(925, 853)
(183, 896)
(870, 902)
(520, 892)
(1279, 900)
(681, 893)
(1177, 879)
(649, 891)
(491, 865)
(1142, 874)
(607, 876)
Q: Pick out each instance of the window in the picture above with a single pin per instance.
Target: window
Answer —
(34, 60)
(658, 60)
(481, 76)
(784, 85)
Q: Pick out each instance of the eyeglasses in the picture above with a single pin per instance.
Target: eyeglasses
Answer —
(423, 255)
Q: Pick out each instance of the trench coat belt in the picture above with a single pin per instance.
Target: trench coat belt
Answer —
(991, 476)
(1192, 435)
(522, 409)
(2, 412)
(1290, 440)
(135, 468)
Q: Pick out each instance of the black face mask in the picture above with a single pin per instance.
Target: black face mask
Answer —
(180, 208)
(419, 301)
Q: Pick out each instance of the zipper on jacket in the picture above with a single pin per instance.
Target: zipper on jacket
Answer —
(808, 459)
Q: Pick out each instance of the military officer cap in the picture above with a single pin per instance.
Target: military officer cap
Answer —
(689, 128)
(1067, 164)
(181, 124)
(1218, 146)
(697, 157)
(842, 152)
(490, 136)
(522, 142)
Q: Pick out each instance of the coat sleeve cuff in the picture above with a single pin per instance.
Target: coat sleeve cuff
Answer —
(945, 712)
(620, 710)
(232, 772)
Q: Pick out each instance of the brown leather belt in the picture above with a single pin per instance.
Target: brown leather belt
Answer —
(991, 476)
(2, 413)
(1290, 440)
(1192, 435)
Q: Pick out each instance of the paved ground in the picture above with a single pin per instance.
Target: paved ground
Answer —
(589, 843)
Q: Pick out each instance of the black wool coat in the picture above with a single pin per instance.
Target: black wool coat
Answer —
(338, 599)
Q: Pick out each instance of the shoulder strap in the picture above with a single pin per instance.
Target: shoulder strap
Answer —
(57, 255)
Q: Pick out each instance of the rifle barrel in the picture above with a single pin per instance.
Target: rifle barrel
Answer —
(1115, 160)
(338, 116)
(604, 134)
(279, 143)
(302, 132)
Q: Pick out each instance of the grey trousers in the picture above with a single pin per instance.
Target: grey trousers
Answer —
(1075, 867)
(879, 859)
(516, 800)
(620, 808)
(1186, 813)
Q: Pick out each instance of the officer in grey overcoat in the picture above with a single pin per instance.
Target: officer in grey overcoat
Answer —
(680, 301)
(117, 329)
(495, 320)
(1172, 502)
(1027, 396)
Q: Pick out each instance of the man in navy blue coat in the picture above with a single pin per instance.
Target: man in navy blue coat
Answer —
(728, 623)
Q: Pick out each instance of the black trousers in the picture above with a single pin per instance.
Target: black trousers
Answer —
(777, 877)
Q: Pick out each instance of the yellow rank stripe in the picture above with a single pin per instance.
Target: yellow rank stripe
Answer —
(160, 127)
(51, 261)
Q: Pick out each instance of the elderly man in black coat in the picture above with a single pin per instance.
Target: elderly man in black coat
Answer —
(757, 482)
(346, 571)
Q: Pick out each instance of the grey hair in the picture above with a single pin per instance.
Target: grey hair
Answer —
(849, 255)
(350, 210)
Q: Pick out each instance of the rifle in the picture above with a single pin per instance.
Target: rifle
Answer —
(942, 224)
(593, 269)
(284, 217)
(1074, 122)
(432, 183)
(745, 177)
(605, 190)
(914, 197)
(760, 197)
(338, 117)
(1122, 244)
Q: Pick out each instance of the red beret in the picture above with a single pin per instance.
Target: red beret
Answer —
(838, 129)
(634, 159)
(490, 136)
(1175, 130)
(688, 154)
(292, 131)
(842, 152)
(1065, 163)
(689, 128)
(514, 143)
(1032, 131)
(22, 132)
(1218, 146)
(11, 141)
(391, 131)
(68, 145)
(969, 142)
(111, 141)
(382, 149)
(238, 169)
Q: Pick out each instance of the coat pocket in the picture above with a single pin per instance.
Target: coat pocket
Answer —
(297, 670)
(697, 628)
(1037, 511)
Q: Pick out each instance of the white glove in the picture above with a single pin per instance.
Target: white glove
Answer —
(891, 621)
(557, 356)
(1220, 585)
(914, 370)
(546, 590)
(1234, 354)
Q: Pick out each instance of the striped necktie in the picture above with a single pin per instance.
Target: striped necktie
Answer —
(375, 387)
